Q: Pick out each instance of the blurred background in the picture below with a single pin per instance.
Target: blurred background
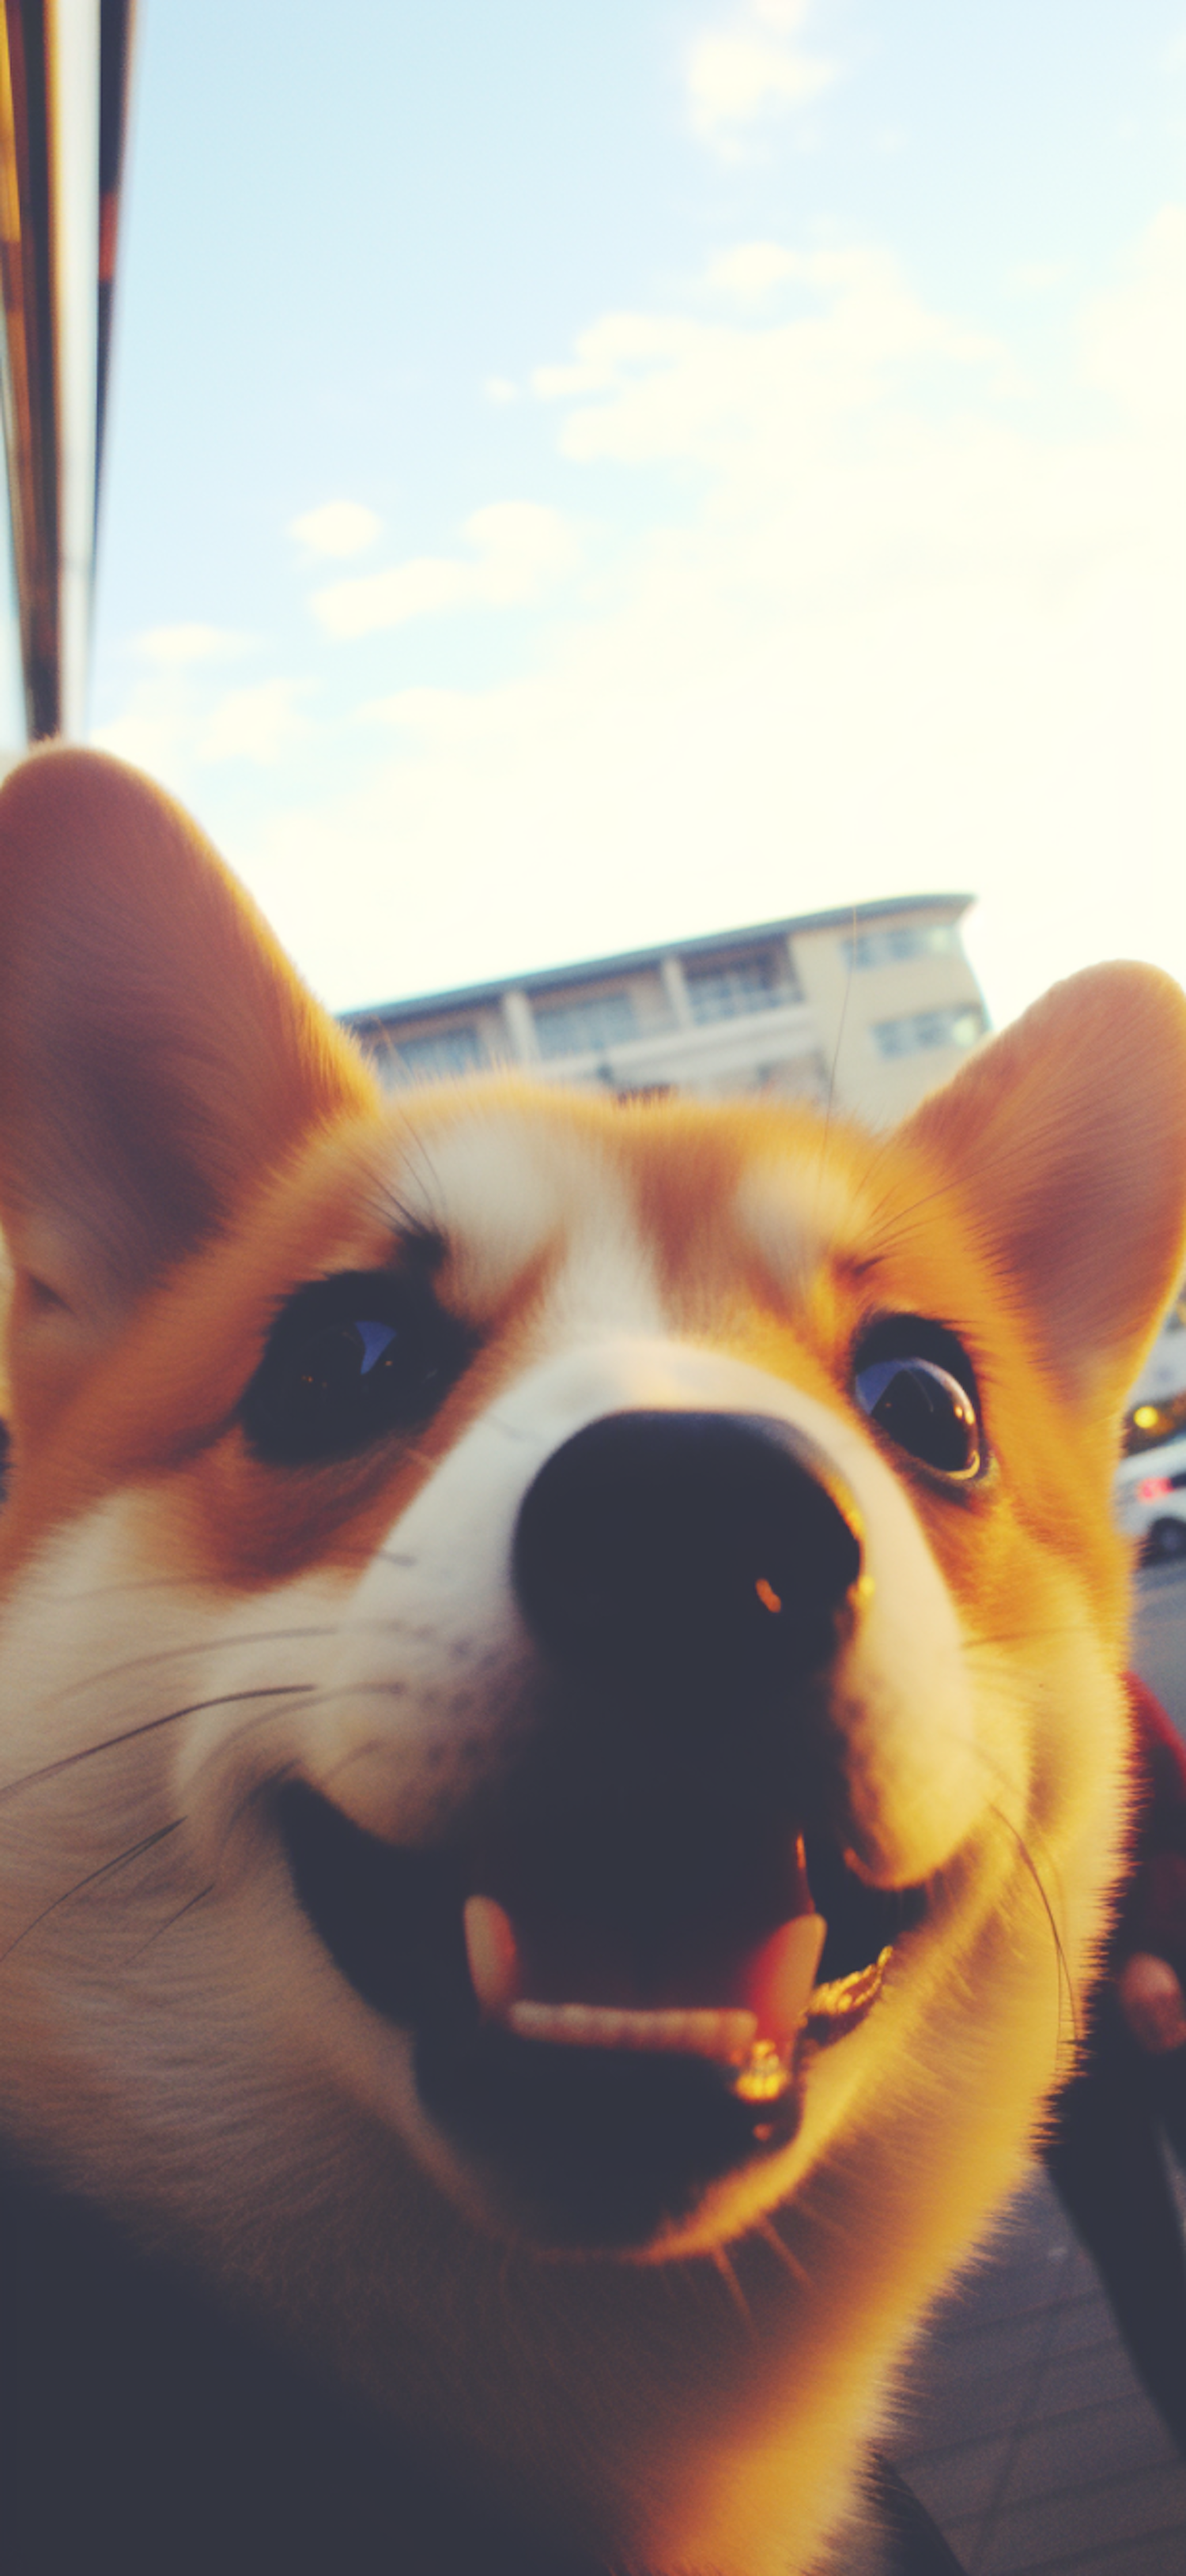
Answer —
(577, 480)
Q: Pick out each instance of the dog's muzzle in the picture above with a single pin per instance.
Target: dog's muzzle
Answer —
(618, 1984)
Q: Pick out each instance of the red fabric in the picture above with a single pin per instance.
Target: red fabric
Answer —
(1153, 1905)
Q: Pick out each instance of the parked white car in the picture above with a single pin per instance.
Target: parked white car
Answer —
(1150, 1498)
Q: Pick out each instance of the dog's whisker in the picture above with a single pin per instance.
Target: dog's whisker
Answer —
(146, 1726)
(226, 1644)
(253, 1797)
(396, 1215)
(1066, 1982)
(241, 1735)
(769, 2233)
(170, 1920)
(991, 1764)
(358, 1753)
(723, 2265)
(1022, 1840)
(92, 1878)
(314, 1702)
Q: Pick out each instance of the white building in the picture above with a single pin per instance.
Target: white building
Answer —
(873, 1004)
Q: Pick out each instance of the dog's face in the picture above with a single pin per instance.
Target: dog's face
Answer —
(579, 1582)
(560, 1662)
(569, 1583)
(588, 1538)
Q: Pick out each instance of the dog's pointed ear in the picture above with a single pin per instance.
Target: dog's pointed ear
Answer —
(158, 1055)
(1067, 1135)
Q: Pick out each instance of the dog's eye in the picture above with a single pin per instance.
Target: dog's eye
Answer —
(348, 1360)
(915, 1381)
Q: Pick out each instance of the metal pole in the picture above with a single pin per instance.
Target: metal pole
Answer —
(64, 68)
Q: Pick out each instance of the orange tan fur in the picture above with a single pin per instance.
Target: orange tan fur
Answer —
(184, 1141)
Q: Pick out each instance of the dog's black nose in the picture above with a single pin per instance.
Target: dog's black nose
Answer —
(709, 1552)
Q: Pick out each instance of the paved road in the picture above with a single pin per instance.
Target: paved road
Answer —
(1159, 1636)
(1022, 2426)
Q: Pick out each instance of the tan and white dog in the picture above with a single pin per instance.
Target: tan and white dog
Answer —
(561, 1750)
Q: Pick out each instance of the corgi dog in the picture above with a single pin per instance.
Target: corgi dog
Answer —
(562, 1756)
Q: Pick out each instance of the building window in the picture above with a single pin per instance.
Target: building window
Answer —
(892, 946)
(798, 1077)
(580, 1027)
(960, 1026)
(726, 992)
(443, 1052)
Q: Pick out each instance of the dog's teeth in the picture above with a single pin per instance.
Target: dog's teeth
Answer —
(726, 2035)
(493, 1954)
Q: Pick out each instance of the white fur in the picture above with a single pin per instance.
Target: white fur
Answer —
(197, 2061)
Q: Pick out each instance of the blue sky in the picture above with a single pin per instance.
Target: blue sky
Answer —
(582, 476)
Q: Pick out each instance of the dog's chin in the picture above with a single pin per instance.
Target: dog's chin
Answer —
(595, 2150)
(571, 2146)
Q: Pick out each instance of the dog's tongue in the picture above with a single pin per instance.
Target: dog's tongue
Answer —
(767, 1993)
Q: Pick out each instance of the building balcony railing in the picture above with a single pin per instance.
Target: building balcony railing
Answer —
(653, 1058)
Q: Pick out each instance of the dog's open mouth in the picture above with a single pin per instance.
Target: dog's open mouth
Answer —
(609, 2026)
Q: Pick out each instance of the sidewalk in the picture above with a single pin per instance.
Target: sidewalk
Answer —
(1024, 2431)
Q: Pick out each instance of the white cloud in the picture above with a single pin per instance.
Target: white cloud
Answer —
(174, 647)
(423, 711)
(669, 387)
(750, 68)
(158, 724)
(257, 724)
(153, 730)
(1134, 340)
(175, 722)
(751, 272)
(336, 528)
(883, 633)
(520, 550)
